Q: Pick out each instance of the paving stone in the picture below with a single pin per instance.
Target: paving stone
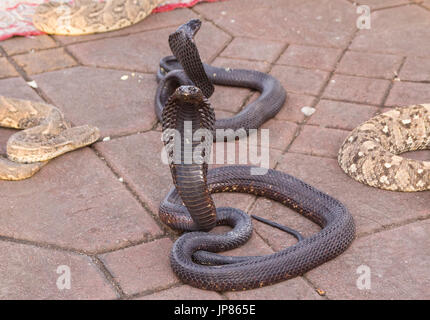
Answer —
(43, 61)
(183, 293)
(319, 141)
(293, 21)
(17, 88)
(99, 97)
(415, 69)
(291, 111)
(18, 45)
(253, 49)
(75, 202)
(6, 69)
(154, 21)
(407, 93)
(409, 31)
(142, 268)
(378, 4)
(283, 215)
(398, 260)
(222, 62)
(372, 209)
(235, 200)
(341, 115)
(232, 99)
(30, 272)
(137, 159)
(369, 64)
(293, 289)
(143, 51)
(310, 57)
(300, 80)
(356, 89)
(4, 137)
(280, 132)
(229, 153)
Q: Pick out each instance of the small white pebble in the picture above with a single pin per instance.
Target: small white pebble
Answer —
(223, 13)
(32, 84)
(406, 121)
(124, 77)
(338, 20)
(308, 111)
(232, 21)
(337, 38)
(121, 179)
(106, 139)
(420, 171)
(332, 81)
(387, 165)
(133, 74)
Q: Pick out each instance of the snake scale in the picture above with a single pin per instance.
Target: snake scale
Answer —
(370, 154)
(189, 205)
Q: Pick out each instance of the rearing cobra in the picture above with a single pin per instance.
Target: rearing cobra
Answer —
(189, 205)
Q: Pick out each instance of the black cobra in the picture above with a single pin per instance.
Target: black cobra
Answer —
(186, 68)
(189, 206)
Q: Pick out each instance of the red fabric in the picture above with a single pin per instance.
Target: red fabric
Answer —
(16, 15)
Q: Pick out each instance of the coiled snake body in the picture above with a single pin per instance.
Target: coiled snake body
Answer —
(189, 206)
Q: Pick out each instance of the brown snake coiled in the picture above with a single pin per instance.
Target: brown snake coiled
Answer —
(189, 207)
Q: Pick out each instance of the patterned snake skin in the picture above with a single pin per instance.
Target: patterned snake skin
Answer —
(190, 70)
(370, 153)
(91, 16)
(189, 207)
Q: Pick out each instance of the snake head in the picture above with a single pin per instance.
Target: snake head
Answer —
(189, 95)
(191, 27)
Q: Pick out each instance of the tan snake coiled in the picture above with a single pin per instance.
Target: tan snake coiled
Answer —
(45, 135)
(370, 154)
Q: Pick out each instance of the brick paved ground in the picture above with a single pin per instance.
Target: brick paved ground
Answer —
(79, 212)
